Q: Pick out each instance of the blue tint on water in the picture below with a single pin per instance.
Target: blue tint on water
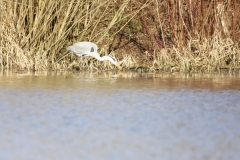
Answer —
(60, 117)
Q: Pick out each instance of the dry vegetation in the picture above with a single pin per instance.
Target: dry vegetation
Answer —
(152, 35)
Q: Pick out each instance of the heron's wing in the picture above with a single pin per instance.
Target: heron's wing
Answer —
(83, 48)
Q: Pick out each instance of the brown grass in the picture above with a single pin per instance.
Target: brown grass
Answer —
(186, 36)
(34, 34)
(152, 35)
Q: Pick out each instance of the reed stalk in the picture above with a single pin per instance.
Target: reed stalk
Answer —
(182, 35)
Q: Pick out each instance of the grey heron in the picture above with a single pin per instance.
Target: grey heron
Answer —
(90, 49)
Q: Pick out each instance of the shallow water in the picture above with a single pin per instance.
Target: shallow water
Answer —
(58, 116)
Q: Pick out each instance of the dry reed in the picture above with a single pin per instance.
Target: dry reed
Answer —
(185, 36)
(34, 34)
(152, 35)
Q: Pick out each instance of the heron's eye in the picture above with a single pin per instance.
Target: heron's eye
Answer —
(92, 49)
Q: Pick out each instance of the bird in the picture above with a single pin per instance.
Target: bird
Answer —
(86, 49)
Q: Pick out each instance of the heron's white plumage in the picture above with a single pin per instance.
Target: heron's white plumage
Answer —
(90, 49)
(81, 48)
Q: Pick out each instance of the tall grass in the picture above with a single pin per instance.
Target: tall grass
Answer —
(182, 35)
(35, 33)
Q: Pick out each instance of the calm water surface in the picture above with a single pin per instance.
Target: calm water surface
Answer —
(89, 116)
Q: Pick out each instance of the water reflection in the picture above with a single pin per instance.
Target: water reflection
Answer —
(165, 80)
(112, 116)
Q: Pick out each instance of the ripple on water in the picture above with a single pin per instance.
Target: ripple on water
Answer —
(54, 117)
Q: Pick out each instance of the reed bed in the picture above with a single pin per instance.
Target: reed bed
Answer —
(152, 35)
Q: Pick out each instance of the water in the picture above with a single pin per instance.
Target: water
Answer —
(58, 116)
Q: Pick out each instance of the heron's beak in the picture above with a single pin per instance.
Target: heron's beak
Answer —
(119, 67)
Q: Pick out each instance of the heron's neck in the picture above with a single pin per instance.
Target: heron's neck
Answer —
(103, 58)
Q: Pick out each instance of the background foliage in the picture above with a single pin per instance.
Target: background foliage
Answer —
(183, 35)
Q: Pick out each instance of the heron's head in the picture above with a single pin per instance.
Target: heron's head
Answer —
(115, 62)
